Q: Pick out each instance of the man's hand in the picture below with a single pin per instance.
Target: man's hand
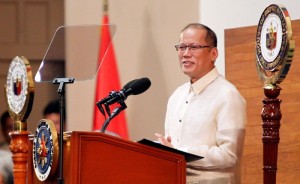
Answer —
(164, 141)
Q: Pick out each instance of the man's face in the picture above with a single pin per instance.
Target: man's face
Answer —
(196, 63)
(55, 117)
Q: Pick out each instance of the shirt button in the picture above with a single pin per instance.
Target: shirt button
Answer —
(186, 102)
(180, 121)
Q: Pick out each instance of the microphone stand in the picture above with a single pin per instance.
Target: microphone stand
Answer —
(114, 113)
(61, 91)
(107, 109)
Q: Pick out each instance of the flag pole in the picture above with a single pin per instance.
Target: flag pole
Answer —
(105, 7)
(108, 78)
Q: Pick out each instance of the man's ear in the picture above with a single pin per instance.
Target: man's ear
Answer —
(214, 54)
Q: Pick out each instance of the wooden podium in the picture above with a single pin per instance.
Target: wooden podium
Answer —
(93, 157)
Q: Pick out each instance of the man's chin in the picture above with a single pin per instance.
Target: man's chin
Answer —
(186, 71)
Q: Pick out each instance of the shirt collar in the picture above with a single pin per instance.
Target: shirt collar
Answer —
(201, 83)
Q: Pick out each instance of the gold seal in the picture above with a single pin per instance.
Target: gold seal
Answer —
(274, 44)
(45, 150)
(19, 91)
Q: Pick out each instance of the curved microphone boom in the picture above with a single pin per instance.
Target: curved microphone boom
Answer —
(133, 87)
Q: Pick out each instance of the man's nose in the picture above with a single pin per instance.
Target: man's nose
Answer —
(186, 52)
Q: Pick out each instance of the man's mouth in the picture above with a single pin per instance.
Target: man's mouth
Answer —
(187, 62)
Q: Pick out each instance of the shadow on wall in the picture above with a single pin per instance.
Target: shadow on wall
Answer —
(148, 120)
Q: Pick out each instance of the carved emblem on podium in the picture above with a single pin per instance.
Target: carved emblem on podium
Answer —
(274, 44)
(45, 150)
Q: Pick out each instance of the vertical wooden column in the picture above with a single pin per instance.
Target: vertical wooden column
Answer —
(19, 149)
(271, 116)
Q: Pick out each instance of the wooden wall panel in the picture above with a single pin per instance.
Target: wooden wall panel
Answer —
(240, 69)
(26, 29)
(27, 26)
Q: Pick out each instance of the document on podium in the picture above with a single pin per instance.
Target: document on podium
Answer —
(188, 156)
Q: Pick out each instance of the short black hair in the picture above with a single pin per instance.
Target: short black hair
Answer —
(4, 116)
(210, 34)
(51, 107)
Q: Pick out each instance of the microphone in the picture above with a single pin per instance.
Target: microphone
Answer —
(133, 87)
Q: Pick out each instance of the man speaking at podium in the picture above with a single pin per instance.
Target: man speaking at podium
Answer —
(207, 115)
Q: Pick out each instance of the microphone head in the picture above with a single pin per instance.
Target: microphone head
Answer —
(138, 86)
(133, 87)
(127, 86)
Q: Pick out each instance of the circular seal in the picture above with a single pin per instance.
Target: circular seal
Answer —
(45, 150)
(19, 88)
(274, 44)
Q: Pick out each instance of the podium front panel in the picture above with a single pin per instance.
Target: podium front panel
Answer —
(100, 158)
(94, 157)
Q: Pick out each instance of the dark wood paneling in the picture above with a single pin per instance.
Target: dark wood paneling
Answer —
(241, 70)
